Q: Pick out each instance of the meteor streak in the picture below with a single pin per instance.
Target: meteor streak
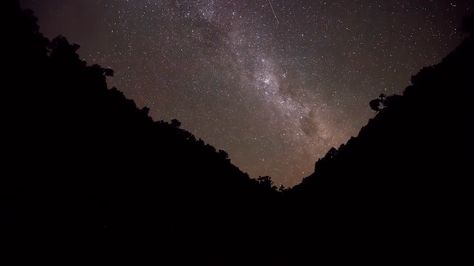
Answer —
(273, 10)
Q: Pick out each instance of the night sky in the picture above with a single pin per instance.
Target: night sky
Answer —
(274, 83)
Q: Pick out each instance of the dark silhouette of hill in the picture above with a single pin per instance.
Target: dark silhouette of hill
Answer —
(89, 177)
(87, 171)
(406, 177)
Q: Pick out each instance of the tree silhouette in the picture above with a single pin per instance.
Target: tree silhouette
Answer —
(378, 104)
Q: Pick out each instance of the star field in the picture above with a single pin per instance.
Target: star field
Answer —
(274, 83)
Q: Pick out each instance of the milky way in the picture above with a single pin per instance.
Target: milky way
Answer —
(274, 83)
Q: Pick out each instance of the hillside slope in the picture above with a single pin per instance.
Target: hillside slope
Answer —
(84, 167)
(419, 139)
(404, 184)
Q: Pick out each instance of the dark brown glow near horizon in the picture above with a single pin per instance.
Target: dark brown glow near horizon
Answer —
(274, 83)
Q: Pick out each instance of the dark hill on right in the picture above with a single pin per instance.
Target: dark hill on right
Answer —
(420, 139)
(406, 177)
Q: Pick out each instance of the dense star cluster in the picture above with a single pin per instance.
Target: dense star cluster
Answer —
(274, 83)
